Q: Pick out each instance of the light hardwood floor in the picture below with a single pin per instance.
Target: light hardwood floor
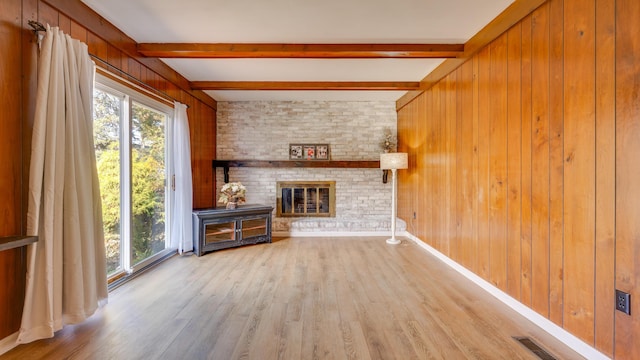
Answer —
(299, 298)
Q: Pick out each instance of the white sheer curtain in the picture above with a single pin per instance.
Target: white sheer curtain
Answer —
(66, 270)
(181, 230)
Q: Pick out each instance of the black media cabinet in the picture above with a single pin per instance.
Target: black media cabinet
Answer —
(221, 228)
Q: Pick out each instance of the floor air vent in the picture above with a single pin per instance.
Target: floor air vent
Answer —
(534, 348)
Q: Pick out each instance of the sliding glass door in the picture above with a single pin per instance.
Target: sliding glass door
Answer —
(130, 133)
(148, 178)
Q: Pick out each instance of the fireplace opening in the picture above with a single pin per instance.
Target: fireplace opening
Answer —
(306, 199)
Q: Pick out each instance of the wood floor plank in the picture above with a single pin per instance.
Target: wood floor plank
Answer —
(299, 298)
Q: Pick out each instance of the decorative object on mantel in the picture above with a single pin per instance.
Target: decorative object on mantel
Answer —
(232, 194)
(308, 151)
(388, 143)
(393, 161)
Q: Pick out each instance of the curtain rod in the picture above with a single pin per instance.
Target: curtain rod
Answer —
(37, 27)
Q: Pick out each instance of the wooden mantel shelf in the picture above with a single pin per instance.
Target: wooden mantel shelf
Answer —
(10, 242)
(357, 164)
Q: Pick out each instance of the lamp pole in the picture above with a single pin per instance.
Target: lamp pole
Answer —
(393, 240)
(393, 162)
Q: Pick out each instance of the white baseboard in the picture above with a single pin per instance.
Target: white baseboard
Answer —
(329, 233)
(545, 324)
(8, 343)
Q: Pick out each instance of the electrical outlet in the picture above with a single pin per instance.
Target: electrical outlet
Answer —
(623, 302)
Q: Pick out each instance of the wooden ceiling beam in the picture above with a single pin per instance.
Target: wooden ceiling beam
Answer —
(317, 51)
(305, 85)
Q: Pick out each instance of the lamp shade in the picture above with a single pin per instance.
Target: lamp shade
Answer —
(390, 161)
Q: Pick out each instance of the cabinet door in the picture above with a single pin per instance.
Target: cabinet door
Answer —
(253, 227)
(219, 231)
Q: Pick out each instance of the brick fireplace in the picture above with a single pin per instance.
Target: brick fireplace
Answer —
(354, 130)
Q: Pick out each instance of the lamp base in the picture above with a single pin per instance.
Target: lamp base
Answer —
(393, 241)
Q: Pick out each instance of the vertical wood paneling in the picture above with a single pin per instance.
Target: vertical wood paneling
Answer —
(605, 175)
(475, 242)
(556, 162)
(432, 174)
(579, 169)
(12, 285)
(114, 56)
(464, 165)
(124, 66)
(452, 182)
(526, 249)
(78, 32)
(484, 188)
(421, 125)
(10, 121)
(418, 124)
(64, 23)
(406, 186)
(415, 162)
(428, 171)
(437, 168)
(540, 160)
(135, 69)
(457, 152)
(569, 149)
(97, 46)
(11, 188)
(47, 14)
(514, 159)
(206, 183)
(627, 328)
(447, 162)
(498, 163)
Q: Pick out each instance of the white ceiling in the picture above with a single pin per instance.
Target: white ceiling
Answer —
(306, 22)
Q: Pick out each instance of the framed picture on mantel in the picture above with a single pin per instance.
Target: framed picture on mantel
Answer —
(295, 152)
(322, 152)
(309, 152)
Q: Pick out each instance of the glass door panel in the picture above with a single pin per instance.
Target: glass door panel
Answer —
(286, 203)
(217, 232)
(148, 182)
(311, 200)
(107, 112)
(323, 200)
(298, 201)
(254, 227)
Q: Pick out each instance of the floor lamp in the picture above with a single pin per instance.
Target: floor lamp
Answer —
(393, 162)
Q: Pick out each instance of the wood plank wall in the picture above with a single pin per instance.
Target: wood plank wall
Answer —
(18, 83)
(523, 163)
(12, 211)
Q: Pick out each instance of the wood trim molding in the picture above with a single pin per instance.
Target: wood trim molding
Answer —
(317, 51)
(85, 16)
(503, 22)
(11, 242)
(304, 85)
(113, 73)
(357, 164)
(344, 164)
